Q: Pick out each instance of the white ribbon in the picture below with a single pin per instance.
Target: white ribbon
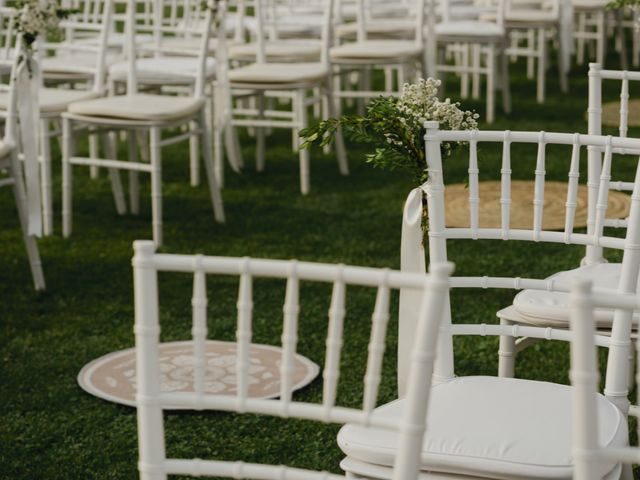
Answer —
(27, 86)
(411, 260)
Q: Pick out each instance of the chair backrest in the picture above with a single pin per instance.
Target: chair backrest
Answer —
(595, 122)
(520, 8)
(365, 12)
(587, 451)
(446, 12)
(197, 21)
(439, 233)
(267, 27)
(86, 33)
(153, 463)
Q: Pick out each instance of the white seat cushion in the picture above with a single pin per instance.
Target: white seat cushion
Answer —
(138, 107)
(278, 51)
(278, 73)
(376, 49)
(163, 69)
(544, 308)
(470, 28)
(52, 100)
(502, 428)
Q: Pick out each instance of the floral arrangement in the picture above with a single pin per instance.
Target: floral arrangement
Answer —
(393, 126)
(39, 17)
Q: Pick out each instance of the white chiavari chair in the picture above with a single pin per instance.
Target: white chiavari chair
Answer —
(588, 453)
(9, 162)
(486, 37)
(552, 307)
(494, 427)
(147, 112)
(54, 101)
(266, 77)
(153, 462)
(365, 54)
(536, 23)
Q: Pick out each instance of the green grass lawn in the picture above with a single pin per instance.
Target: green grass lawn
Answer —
(51, 429)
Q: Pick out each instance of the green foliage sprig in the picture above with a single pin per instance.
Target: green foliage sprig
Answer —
(393, 127)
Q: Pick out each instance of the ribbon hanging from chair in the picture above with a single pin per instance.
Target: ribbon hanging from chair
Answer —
(27, 86)
(411, 260)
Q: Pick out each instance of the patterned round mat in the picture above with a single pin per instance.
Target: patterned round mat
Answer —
(521, 215)
(113, 376)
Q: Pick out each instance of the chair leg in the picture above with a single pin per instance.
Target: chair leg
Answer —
(67, 175)
(582, 20)
(94, 152)
(602, 38)
(30, 244)
(542, 65)
(491, 54)
(506, 353)
(531, 41)
(156, 184)
(260, 134)
(505, 85)
(303, 153)
(477, 67)
(134, 181)
(45, 177)
(562, 67)
(464, 81)
(194, 155)
(114, 175)
(214, 188)
(341, 151)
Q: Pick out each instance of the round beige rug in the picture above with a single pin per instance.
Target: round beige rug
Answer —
(113, 376)
(555, 196)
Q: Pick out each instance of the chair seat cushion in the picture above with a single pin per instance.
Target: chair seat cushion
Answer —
(502, 428)
(545, 308)
(278, 73)
(470, 28)
(138, 107)
(54, 100)
(278, 51)
(376, 49)
(163, 69)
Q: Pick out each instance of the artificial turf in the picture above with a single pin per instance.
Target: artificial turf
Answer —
(51, 429)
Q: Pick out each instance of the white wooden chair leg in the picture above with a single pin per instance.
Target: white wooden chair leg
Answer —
(114, 175)
(506, 87)
(531, 42)
(490, 83)
(602, 38)
(341, 151)
(218, 156)
(156, 184)
(303, 153)
(619, 18)
(30, 243)
(67, 175)
(134, 176)
(260, 134)
(94, 152)
(506, 354)
(562, 68)
(194, 155)
(476, 63)
(214, 188)
(542, 65)
(143, 145)
(582, 19)
(45, 178)
(464, 81)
